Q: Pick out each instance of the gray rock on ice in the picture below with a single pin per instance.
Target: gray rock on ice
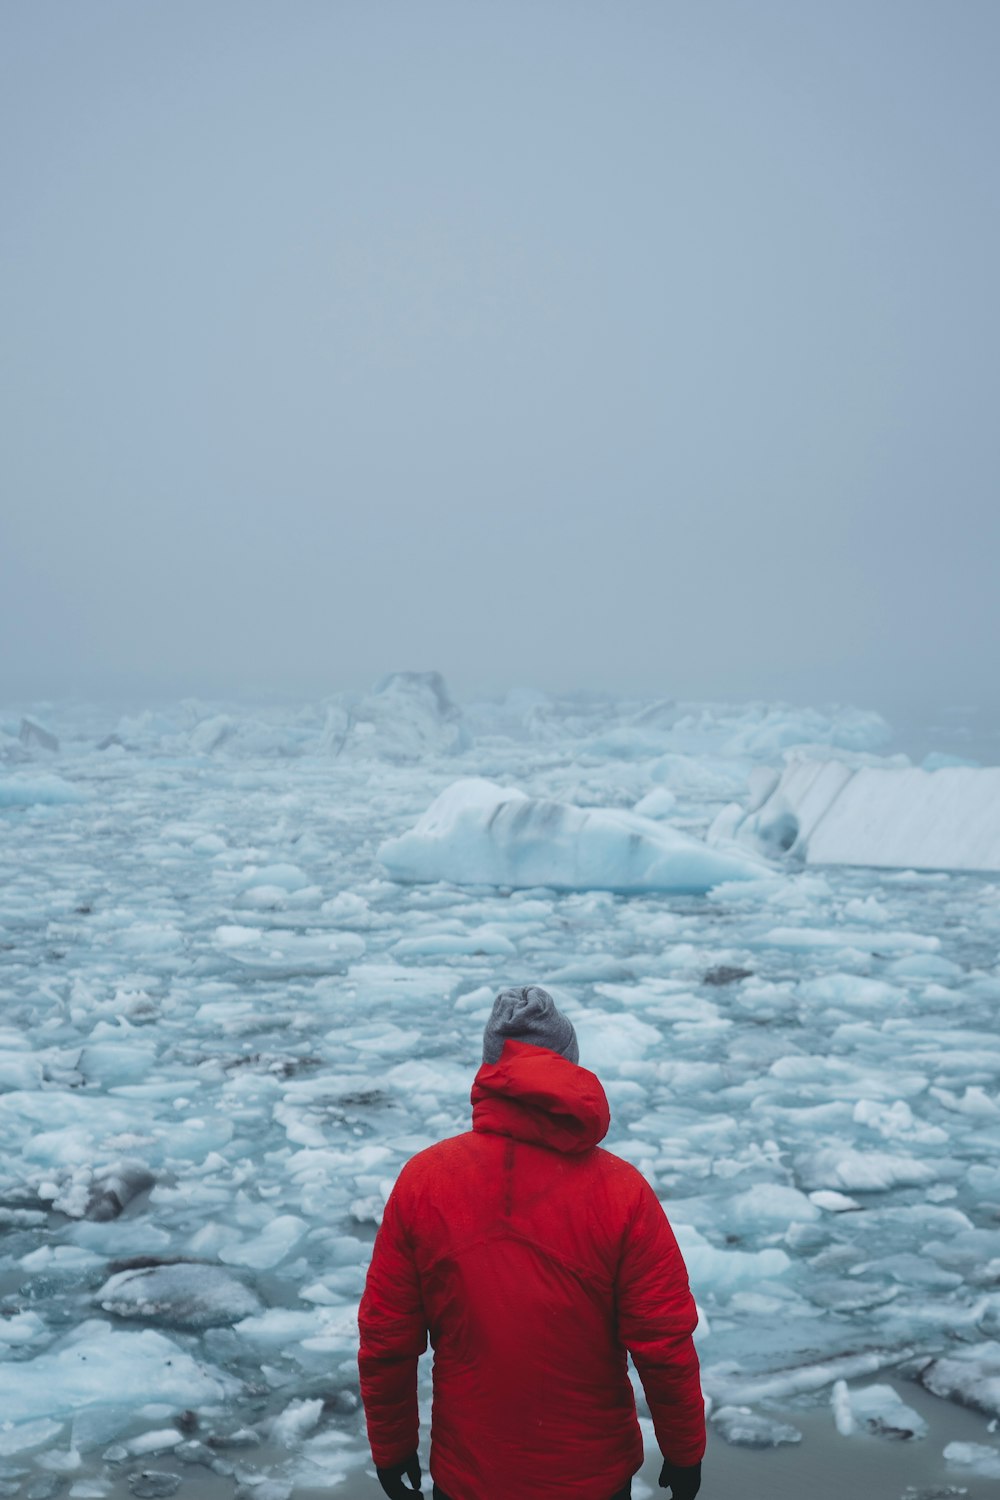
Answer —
(178, 1294)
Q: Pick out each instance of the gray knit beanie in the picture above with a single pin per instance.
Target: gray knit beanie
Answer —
(528, 1014)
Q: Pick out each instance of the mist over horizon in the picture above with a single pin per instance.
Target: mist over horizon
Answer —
(649, 351)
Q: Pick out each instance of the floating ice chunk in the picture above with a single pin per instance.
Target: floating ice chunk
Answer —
(269, 1247)
(488, 940)
(832, 1202)
(23, 1436)
(20, 1070)
(889, 818)
(970, 1375)
(840, 1401)
(100, 1195)
(727, 1385)
(842, 1167)
(298, 1418)
(851, 937)
(975, 1102)
(97, 1365)
(183, 1294)
(659, 803)
(22, 1328)
(979, 1458)
(751, 1429)
(478, 833)
(158, 1441)
(20, 790)
(279, 1326)
(284, 953)
(851, 991)
(287, 877)
(875, 1408)
(235, 936)
(896, 1122)
(769, 1204)
(348, 909)
(607, 1040)
(719, 1270)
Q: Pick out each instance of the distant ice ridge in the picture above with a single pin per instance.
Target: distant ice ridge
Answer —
(407, 715)
(827, 812)
(478, 833)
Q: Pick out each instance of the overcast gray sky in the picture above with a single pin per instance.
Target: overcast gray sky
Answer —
(625, 345)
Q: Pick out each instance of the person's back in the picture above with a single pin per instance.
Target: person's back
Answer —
(534, 1260)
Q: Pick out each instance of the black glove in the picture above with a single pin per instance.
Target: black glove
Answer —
(391, 1479)
(683, 1484)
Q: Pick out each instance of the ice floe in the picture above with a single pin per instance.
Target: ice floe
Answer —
(831, 813)
(479, 833)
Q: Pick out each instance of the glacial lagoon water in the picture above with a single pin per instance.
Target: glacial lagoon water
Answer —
(225, 1026)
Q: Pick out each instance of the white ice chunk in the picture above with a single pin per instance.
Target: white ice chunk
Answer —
(96, 1365)
(298, 1418)
(720, 1270)
(745, 1428)
(979, 1458)
(269, 1247)
(21, 790)
(286, 877)
(478, 833)
(20, 1437)
(659, 803)
(970, 1375)
(875, 1408)
(885, 817)
(833, 1202)
(842, 1167)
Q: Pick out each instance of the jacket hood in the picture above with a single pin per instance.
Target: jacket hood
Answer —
(535, 1095)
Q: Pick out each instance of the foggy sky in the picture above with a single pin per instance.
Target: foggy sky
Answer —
(642, 346)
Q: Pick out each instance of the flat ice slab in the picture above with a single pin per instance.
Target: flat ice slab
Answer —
(478, 833)
(888, 817)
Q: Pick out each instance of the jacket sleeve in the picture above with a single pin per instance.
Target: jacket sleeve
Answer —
(656, 1318)
(393, 1333)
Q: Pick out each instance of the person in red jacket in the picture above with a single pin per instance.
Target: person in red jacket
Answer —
(537, 1262)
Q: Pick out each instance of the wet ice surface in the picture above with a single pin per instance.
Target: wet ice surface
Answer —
(225, 1028)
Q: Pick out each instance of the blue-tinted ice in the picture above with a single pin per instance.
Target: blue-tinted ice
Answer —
(225, 1027)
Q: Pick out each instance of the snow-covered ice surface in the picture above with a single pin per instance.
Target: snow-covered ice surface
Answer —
(226, 1025)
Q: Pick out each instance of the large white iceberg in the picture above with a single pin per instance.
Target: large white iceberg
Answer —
(830, 813)
(478, 833)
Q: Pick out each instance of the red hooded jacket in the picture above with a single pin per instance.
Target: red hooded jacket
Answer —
(534, 1260)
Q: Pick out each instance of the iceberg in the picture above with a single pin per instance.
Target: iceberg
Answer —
(888, 817)
(479, 833)
(406, 716)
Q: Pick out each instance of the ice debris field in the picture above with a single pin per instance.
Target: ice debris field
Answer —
(246, 959)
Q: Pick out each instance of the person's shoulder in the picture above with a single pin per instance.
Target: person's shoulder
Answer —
(620, 1174)
(432, 1160)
